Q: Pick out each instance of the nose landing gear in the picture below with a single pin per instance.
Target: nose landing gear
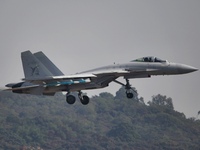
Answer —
(129, 89)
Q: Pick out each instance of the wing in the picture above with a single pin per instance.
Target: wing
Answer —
(45, 87)
(126, 73)
(59, 78)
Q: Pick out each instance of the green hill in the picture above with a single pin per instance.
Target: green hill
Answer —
(107, 122)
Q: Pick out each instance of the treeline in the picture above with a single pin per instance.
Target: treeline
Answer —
(107, 122)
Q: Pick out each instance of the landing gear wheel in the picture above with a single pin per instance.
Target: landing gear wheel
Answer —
(85, 100)
(129, 95)
(70, 99)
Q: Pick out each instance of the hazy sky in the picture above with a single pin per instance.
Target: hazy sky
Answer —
(78, 35)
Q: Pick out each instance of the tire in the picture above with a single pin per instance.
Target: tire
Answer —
(70, 99)
(129, 95)
(85, 100)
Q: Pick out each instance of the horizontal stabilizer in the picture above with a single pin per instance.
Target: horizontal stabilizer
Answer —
(22, 88)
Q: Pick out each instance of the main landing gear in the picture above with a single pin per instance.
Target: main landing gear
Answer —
(70, 99)
(129, 89)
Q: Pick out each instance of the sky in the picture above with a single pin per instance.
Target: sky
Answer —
(80, 35)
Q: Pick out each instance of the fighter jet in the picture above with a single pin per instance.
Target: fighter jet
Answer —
(42, 77)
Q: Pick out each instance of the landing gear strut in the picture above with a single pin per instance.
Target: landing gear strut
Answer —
(129, 89)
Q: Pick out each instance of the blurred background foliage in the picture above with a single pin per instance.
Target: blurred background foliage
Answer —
(107, 122)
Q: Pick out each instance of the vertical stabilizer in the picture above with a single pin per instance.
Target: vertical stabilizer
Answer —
(33, 68)
(48, 64)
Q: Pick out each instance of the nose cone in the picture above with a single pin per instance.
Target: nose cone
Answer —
(186, 69)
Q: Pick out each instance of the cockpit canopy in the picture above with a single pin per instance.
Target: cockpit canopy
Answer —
(149, 59)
